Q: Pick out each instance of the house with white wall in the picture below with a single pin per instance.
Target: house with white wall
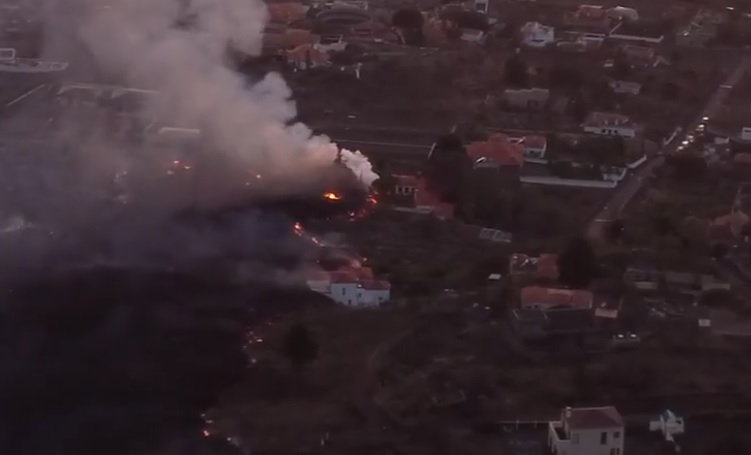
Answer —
(482, 6)
(353, 287)
(610, 124)
(534, 147)
(746, 133)
(537, 35)
(587, 431)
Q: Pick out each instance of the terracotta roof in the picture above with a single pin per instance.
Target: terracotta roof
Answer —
(593, 418)
(551, 297)
(547, 266)
(343, 277)
(734, 222)
(286, 12)
(289, 38)
(538, 142)
(317, 275)
(376, 285)
(407, 180)
(742, 158)
(497, 149)
(363, 273)
(425, 198)
(304, 51)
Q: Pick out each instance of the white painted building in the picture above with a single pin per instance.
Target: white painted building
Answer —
(609, 124)
(356, 287)
(587, 431)
(472, 36)
(537, 35)
(746, 133)
(482, 6)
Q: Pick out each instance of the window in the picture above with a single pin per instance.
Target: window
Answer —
(612, 451)
(616, 435)
(604, 437)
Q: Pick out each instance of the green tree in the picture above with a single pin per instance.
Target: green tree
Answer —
(448, 168)
(299, 347)
(577, 264)
(517, 72)
(410, 21)
(614, 230)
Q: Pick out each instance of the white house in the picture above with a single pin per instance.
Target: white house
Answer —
(472, 36)
(534, 147)
(625, 87)
(610, 124)
(587, 431)
(622, 12)
(482, 6)
(405, 185)
(354, 287)
(746, 133)
(535, 34)
(331, 43)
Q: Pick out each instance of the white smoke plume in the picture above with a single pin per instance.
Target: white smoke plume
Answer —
(250, 123)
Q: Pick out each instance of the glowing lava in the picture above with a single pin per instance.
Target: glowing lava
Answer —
(332, 196)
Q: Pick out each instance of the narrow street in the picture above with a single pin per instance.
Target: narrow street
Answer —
(633, 183)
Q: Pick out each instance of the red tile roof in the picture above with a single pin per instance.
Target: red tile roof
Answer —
(538, 142)
(732, 223)
(425, 198)
(407, 180)
(363, 273)
(498, 150)
(550, 297)
(317, 275)
(547, 266)
(593, 418)
(742, 158)
(304, 51)
(344, 277)
(376, 285)
(286, 12)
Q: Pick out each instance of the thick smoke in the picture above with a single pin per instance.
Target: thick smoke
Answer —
(247, 127)
(250, 122)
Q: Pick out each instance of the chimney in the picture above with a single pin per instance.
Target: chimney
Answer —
(567, 413)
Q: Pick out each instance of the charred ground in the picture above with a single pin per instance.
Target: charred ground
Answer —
(115, 360)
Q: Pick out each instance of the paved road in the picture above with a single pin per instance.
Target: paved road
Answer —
(631, 186)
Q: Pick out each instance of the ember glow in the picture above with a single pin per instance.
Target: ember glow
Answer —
(332, 196)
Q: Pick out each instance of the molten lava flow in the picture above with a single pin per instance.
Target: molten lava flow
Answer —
(332, 196)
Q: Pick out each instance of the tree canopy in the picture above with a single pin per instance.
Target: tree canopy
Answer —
(686, 166)
(577, 263)
(410, 21)
(447, 170)
(517, 72)
(299, 346)
(409, 18)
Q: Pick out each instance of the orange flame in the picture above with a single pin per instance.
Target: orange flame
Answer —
(332, 196)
